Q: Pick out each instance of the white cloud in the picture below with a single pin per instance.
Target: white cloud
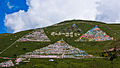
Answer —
(42, 13)
(9, 5)
(118, 20)
(109, 11)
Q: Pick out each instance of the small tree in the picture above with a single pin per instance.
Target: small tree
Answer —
(114, 55)
(24, 49)
(15, 55)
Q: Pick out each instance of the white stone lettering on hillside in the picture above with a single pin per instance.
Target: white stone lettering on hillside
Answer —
(67, 34)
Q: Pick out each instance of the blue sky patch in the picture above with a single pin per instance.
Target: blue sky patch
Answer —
(8, 7)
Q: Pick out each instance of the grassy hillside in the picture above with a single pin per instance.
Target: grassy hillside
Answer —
(94, 48)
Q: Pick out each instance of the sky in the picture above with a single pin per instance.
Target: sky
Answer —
(19, 15)
(9, 7)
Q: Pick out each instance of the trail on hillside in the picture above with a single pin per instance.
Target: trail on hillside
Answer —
(12, 44)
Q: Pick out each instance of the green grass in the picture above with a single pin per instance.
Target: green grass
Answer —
(70, 63)
(94, 48)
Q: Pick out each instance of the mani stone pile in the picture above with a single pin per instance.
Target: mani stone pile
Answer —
(95, 34)
(38, 35)
(7, 64)
(60, 49)
(72, 28)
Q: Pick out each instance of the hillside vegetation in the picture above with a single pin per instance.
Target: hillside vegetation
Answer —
(93, 48)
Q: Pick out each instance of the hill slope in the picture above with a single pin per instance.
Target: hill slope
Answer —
(94, 48)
